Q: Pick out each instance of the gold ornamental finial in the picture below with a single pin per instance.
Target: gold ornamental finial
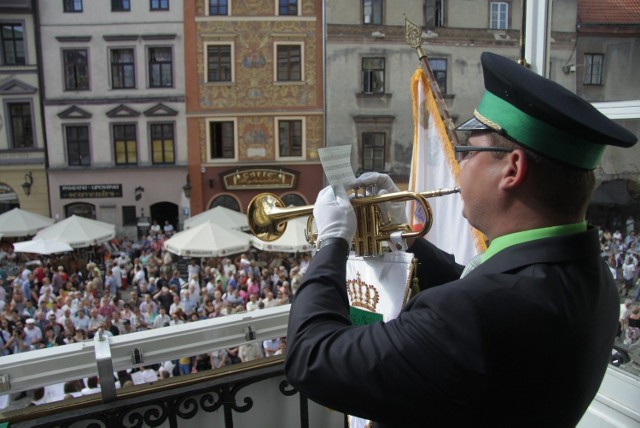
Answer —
(413, 37)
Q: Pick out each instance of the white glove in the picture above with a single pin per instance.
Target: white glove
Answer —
(395, 212)
(334, 214)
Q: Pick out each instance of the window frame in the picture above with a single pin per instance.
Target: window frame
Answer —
(151, 66)
(494, 17)
(227, 6)
(120, 5)
(225, 200)
(589, 69)
(276, 62)
(15, 42)
(287, 4)
(163, 140)
(9, 118)
(114, 143)
(373, 5)
(76, 73)
(158, 6)
(368, 73)
(440, 75)
(73, 4)
(303, 140)
(364, 148)
(65, 136)
(209, 123)
(208, 62)
(122, 65)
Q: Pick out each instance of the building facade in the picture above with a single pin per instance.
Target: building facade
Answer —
(114, 107)
(23, 177)
(369, 67)
(255, 100)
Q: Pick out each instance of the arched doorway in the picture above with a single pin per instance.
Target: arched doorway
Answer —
(165, 211)
(8, 198)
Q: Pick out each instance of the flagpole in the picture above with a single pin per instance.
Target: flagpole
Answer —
(413, 37)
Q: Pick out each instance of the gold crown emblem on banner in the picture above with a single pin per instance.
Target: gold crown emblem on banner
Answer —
(362, 295)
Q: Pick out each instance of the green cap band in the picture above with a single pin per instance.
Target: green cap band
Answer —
(535, 134)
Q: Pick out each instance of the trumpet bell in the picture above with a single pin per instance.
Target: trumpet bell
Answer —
(259, 219)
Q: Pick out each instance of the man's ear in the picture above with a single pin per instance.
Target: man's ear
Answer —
(515, 170)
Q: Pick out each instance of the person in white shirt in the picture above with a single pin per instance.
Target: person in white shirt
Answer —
(253, 303)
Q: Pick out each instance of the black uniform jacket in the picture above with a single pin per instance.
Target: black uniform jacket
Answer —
(523, 340)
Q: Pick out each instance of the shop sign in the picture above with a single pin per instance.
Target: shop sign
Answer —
(85, 191)
(259, 178)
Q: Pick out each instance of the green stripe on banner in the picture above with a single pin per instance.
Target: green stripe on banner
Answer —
(361, 317)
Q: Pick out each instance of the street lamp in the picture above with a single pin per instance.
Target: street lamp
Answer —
(28, 181)
(187, 188)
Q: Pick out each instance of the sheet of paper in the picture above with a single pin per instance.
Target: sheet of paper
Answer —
(336, 163)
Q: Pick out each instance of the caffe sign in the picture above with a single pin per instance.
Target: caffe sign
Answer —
(259, 178)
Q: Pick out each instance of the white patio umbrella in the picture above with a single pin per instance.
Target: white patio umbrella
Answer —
(293, 240)
(41, 246)
(208, 240)
(220, 216)
(78, 232)
(18, 222)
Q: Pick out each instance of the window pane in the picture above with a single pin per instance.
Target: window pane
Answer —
(290, 137)
(125, 145)
(373, 151)
(120, 5)
(162, 143)
(288, 7)
(21, 126)
(122, 68)
(160, 67)
(78, 145)
(222, 144)
(159, 4)
(499, 16)
(373, 71)
(76, 70)
(219, 63)
(218, 7)
(289, 63)
(372, 11)
(73, 5)
(13, 50)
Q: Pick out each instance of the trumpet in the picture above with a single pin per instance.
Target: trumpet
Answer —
(268, 217)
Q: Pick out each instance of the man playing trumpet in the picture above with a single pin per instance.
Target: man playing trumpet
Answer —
(523, 339)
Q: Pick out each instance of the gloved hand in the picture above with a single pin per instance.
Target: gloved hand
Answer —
(334, 214)
(393, 211)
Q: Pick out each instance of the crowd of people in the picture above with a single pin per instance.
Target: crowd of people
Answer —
(622, 250)
(125, 286)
